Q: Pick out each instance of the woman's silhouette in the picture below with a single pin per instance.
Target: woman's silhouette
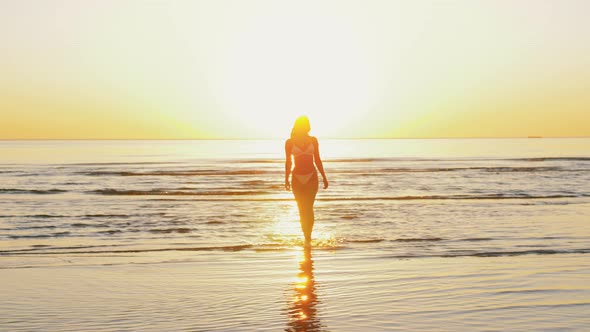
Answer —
(304, 151)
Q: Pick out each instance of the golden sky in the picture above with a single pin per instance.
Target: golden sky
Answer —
(246, 68)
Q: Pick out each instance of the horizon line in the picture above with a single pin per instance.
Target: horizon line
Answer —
(275, 138)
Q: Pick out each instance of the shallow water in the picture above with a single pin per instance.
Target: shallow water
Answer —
(411, 234)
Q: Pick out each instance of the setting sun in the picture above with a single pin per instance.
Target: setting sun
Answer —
(298, 166)
(276, 69)
(247, 69)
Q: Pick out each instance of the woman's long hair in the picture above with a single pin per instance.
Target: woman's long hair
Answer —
(301, 127)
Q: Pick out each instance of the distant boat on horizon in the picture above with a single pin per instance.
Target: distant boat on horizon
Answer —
(535, 136)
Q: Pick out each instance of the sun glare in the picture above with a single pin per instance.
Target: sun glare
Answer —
(287, 225)
(287, 230)
(278, 68)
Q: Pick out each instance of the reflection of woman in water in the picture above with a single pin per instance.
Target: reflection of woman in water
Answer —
(305, 151)
(302, 308)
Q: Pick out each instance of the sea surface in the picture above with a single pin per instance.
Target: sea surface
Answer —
(397, 218)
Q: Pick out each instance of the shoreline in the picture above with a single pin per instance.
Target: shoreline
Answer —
(347, 291)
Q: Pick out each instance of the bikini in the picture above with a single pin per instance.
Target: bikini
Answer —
(308, 151)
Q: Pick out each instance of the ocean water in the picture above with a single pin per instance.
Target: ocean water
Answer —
(397, 212)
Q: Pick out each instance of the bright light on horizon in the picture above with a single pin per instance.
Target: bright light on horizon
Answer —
(246, 69)
(276, 69)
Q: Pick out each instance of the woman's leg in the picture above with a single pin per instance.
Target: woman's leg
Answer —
(305, 197)
(306, 217)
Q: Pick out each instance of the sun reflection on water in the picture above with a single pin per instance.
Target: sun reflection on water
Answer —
(302, 309)
(287, 225)
(286, 231)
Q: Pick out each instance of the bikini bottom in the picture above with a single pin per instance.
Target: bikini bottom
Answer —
(305, 184)
(304, 178)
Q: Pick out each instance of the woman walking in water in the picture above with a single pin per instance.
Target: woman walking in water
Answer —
(305, 151)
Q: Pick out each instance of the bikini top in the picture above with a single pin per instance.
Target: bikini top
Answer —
(308, 150)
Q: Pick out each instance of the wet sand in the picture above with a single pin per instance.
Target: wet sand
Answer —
(324, 290)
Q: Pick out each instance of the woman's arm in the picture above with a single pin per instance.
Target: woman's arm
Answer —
(288, 163)
(318, 161)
